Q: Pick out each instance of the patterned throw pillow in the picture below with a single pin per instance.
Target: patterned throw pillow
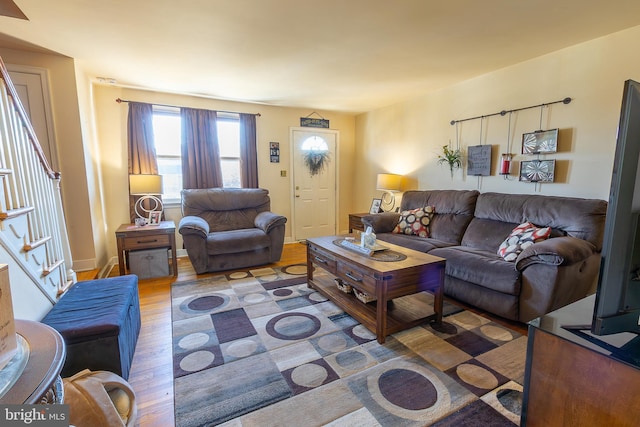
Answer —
(415, 222)
(521, 237)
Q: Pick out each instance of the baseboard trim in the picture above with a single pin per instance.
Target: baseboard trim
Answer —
(84, 264)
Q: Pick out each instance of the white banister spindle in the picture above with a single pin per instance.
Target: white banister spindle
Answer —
(32, 184)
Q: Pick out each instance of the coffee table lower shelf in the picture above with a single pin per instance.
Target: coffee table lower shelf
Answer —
(401, 313)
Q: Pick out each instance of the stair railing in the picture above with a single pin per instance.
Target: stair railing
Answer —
(32, 188)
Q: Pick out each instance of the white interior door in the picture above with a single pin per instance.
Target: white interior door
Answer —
(314, 195)
(33, 90)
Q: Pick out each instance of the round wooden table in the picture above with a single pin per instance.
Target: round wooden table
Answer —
(39, 381)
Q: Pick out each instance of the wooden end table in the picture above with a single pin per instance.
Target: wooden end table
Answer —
(39, 382)
(355, 221)
(130, 237)
(397, 285)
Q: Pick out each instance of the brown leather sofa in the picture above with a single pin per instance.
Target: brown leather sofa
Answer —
(229, 228)
(468, 228)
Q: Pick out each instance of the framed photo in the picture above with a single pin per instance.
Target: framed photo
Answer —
(479, 160)
(274, 152)
(154, 217)
(537, 171)
(540, 142)
(375, 206)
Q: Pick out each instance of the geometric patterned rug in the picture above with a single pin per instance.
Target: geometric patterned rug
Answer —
(259, 348)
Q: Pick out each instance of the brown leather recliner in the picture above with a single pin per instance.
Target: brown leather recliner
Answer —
(230, 228)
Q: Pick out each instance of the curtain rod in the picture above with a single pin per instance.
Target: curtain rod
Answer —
(118, 100)
(504, 112)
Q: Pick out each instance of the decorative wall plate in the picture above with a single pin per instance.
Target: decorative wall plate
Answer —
(537, 171)
(540, 141)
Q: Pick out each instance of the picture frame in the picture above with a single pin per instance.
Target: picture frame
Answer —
(479, 160)
(274, 152)
(154, 217)
(540, 142)
(375, 206)
(537, 171)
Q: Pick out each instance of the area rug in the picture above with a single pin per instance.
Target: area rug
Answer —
(259, 348)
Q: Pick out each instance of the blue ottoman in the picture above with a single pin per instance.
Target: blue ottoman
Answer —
(100, 322)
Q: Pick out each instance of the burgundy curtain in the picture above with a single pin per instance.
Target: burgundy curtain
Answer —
(248, 151)
(141, 147)
(200, 152)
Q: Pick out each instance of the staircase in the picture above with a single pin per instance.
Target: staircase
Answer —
(33, 233)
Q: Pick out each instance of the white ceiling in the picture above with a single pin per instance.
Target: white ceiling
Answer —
(344, 55)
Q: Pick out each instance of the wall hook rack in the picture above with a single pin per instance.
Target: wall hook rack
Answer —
(566, 100)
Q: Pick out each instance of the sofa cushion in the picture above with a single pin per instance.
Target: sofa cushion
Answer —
(580, 218)
(454, 209)
(486, 234)
(481, 267)
(226, 208)
(415, 222)
(413, 242)
(236, 241)
(523, 236)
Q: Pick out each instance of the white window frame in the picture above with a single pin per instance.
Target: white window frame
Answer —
(222, 116)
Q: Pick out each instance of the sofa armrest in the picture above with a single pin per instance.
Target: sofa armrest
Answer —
(266, 221)
(193, 225)
(564, 250)
(383, 222)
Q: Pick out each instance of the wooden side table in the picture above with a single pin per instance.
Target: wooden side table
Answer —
(130, 237)
(355, 221)
(39, 382)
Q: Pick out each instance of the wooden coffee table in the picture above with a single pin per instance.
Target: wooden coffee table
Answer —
(397, 286)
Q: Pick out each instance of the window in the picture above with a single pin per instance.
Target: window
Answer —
(167, 133)
(229, 143)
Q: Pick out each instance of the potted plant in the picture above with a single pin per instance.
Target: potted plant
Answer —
(451, 157)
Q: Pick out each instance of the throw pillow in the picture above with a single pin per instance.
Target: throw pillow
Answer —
(415, 222)
(521, 237)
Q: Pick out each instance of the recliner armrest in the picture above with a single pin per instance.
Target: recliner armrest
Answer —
(555, 251)
(266, 221)
(384, 222)
(193, 225)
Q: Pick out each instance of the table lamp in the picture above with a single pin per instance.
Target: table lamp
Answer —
(388, 183)
(147, 186)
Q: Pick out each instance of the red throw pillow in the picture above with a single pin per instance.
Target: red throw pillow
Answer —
(524, 235)
(415, 222)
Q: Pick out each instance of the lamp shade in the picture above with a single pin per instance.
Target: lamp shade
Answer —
(145, 184)
(389, 182)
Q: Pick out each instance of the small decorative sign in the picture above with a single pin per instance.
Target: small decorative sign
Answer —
(309, 122)
(274, 152)
(479, 160)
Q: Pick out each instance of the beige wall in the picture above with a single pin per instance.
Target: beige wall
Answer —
(272, 125)
(70, 149)
(93, 164)
(406, 138)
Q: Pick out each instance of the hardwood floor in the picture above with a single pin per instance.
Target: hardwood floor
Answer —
(151, 373)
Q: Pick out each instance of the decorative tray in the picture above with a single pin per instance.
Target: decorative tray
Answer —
(384, 255)
(351, 244)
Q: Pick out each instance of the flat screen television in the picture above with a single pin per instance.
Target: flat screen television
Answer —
(617, 304)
